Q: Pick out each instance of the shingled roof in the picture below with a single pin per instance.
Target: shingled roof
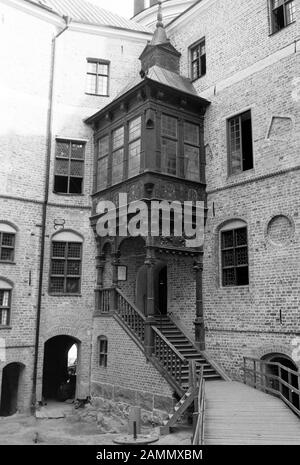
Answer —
(88, 13)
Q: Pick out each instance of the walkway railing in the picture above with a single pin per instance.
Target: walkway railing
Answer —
(274, 378)
(199, 409)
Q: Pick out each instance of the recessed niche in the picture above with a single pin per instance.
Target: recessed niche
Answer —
(280, 230)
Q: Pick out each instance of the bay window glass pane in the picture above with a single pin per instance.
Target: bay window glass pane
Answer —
(169, 126)
(102, 173)
(103, 146)
(191, 133)
(169, 155)
(191, 162)
(135, 128)
(118, 137)
(134, 154)
(117, 166)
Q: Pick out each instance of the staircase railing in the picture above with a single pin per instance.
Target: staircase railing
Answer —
(274, 378)
(105, 300)
(131, 315)
(198, 436)
(168, 356)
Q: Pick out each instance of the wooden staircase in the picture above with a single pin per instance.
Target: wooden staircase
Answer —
(187, 349)
(172, 352)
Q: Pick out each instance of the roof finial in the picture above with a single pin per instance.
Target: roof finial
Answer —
(159, 16)
(159, 36)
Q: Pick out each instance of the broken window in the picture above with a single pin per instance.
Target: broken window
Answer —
(240, 147)
(69, 165)
(65, 273)
(283, 13)
(97, 77)
(7, 243)
(198, 60)
(234, 256)
(103, 346)
(5, 301)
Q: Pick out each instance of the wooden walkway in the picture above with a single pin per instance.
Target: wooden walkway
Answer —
(238, 414)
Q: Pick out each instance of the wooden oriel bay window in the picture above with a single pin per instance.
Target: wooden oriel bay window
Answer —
(174, 149)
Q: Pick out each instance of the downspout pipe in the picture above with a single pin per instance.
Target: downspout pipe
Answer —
(67, 20)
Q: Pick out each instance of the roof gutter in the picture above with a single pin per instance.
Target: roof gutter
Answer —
(44, 208)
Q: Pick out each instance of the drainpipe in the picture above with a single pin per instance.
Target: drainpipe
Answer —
(44, 209)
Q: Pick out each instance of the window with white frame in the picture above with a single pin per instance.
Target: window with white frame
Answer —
(5, 302)
(97, 78)
(7, 243)
(234, 254)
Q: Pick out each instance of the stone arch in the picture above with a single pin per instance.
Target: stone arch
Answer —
(12, 388)
(11, 226)
(60, 380)
(266, 349)
(75, 333)
(66, 235)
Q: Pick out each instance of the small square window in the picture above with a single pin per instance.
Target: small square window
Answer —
(97, 78)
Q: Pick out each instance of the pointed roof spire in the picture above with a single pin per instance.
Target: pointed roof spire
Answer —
(160, 35)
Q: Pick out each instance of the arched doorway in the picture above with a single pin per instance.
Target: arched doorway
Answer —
(275, 371)
(160, 283)
(11, 380)
(60, 369)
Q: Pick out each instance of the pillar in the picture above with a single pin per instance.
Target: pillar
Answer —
(150, 308)
(199, 321)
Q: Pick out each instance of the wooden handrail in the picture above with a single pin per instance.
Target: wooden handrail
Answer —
(130, 303)
(261, 379)
(178, 354)
(198, 436)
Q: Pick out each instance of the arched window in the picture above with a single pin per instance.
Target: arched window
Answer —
(7, 242)
(66, 257)
(102, 348)
(234, 254)
(5, 302)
